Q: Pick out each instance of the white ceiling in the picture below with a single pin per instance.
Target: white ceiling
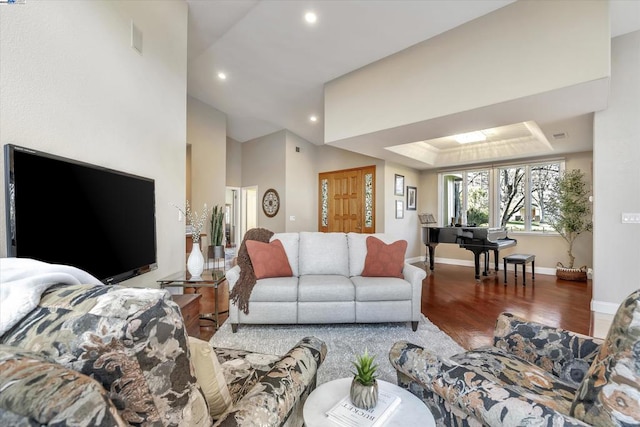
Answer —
(277, 64)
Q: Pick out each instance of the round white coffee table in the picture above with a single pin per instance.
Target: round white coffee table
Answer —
(411, 412)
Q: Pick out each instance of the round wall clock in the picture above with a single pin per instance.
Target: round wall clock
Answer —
(270, 202)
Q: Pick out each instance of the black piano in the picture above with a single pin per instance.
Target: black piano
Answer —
(479, 240)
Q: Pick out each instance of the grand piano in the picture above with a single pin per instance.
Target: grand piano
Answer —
(479, 240)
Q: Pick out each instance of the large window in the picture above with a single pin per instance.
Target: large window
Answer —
(514, 197)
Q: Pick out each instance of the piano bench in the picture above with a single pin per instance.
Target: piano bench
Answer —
(522, 259)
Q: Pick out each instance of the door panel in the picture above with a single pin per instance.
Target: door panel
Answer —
(342, 201)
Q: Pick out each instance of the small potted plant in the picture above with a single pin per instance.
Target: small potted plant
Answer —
(570, 216)
(364, 387)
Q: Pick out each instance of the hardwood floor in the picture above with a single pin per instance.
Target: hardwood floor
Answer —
(467, 310)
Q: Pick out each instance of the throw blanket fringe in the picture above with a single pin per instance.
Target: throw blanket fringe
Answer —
(241, 292)
(24, 280)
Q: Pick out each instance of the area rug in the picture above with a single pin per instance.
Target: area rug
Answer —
(343, 343)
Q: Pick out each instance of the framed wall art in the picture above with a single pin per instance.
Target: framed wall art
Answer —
(412, 198)
(398, 188)
(399, 209)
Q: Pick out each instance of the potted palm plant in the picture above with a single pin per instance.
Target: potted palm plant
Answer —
(364, 387)
(570, 216)
(217, 231)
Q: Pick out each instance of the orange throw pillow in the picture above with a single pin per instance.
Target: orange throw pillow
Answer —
(268, 259)
(384, 260)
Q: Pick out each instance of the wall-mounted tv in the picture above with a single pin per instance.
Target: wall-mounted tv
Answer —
(64, 211)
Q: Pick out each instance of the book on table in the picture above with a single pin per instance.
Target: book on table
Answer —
(344, 413)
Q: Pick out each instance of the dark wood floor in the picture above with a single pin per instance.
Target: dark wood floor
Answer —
(467, 310)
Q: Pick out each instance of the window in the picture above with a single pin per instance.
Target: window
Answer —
(466, 197)
(515, 197)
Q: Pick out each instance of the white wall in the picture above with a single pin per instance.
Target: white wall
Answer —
(71, 85)
(207, 137)
(234, 163)
(264, 165)
(616, 156)
(407, 228)
(301, 184)
(522, 49)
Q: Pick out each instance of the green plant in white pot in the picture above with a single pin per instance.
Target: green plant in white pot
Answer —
(570, 215)
(364, 387)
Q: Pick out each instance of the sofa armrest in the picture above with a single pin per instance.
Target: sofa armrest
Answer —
(471, 392)
(272, 400)
(232, 276)
(415, 276)
(565, 354)
(36, 391)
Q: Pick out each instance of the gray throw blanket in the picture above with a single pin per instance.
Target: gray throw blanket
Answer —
(241, 292)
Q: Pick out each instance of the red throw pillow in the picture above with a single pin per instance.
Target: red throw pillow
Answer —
(384, 260)
(268, 259)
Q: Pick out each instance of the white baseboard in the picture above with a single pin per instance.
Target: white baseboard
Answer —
(470, 263)
(604, 307)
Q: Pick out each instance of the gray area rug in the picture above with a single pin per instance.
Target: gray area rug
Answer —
(343, 343)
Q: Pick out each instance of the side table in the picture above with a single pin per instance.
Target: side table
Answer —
(411, 412)
(190, 308)
(212, 279)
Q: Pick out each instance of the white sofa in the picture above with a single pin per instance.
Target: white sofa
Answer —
(327, 286)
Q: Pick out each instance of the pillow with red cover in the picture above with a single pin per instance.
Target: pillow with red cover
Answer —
(268, 259)
(384, 260)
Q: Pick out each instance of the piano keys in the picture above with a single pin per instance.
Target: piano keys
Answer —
(479, 240)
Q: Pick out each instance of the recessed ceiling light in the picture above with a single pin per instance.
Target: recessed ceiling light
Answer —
(310, 17)
(222, 76)
(469, 137)
(313, 118)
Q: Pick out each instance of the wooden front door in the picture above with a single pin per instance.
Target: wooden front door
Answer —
(347, 200)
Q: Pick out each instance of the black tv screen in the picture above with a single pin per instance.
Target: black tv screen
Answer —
(64, 211)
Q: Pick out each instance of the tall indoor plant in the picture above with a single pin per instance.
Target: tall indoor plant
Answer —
(570, 216)
(217, 231)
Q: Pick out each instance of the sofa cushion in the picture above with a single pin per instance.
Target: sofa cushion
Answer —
(210, 376)
(357, 243)
(275, 289)
(513, 373)
(323, 253)
(268, 259)
(381, 289)
(318, 288)
(610, 391)
(384, 260)
(290, 241)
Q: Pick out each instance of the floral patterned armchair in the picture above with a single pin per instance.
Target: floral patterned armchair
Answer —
(116, 356)
(532, 375)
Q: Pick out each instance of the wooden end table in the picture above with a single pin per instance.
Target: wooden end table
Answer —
(411, 412)
(190, 308)
(212, 279)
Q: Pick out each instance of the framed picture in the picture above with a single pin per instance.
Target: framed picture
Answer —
(399, 209)
(412, 198)
(398, 188)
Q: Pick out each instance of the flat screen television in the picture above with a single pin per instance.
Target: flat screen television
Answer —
(63, 211)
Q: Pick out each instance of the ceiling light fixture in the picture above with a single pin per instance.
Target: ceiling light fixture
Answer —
(313, 118)
(469, 137)
(310, 17)
(222, 76)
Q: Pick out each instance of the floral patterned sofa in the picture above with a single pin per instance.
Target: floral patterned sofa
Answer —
(533, 375)
(115, 356)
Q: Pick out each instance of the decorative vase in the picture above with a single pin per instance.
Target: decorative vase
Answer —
(364, 396)
(195, 262)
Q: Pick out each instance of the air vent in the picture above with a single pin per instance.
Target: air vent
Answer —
(560, 135)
